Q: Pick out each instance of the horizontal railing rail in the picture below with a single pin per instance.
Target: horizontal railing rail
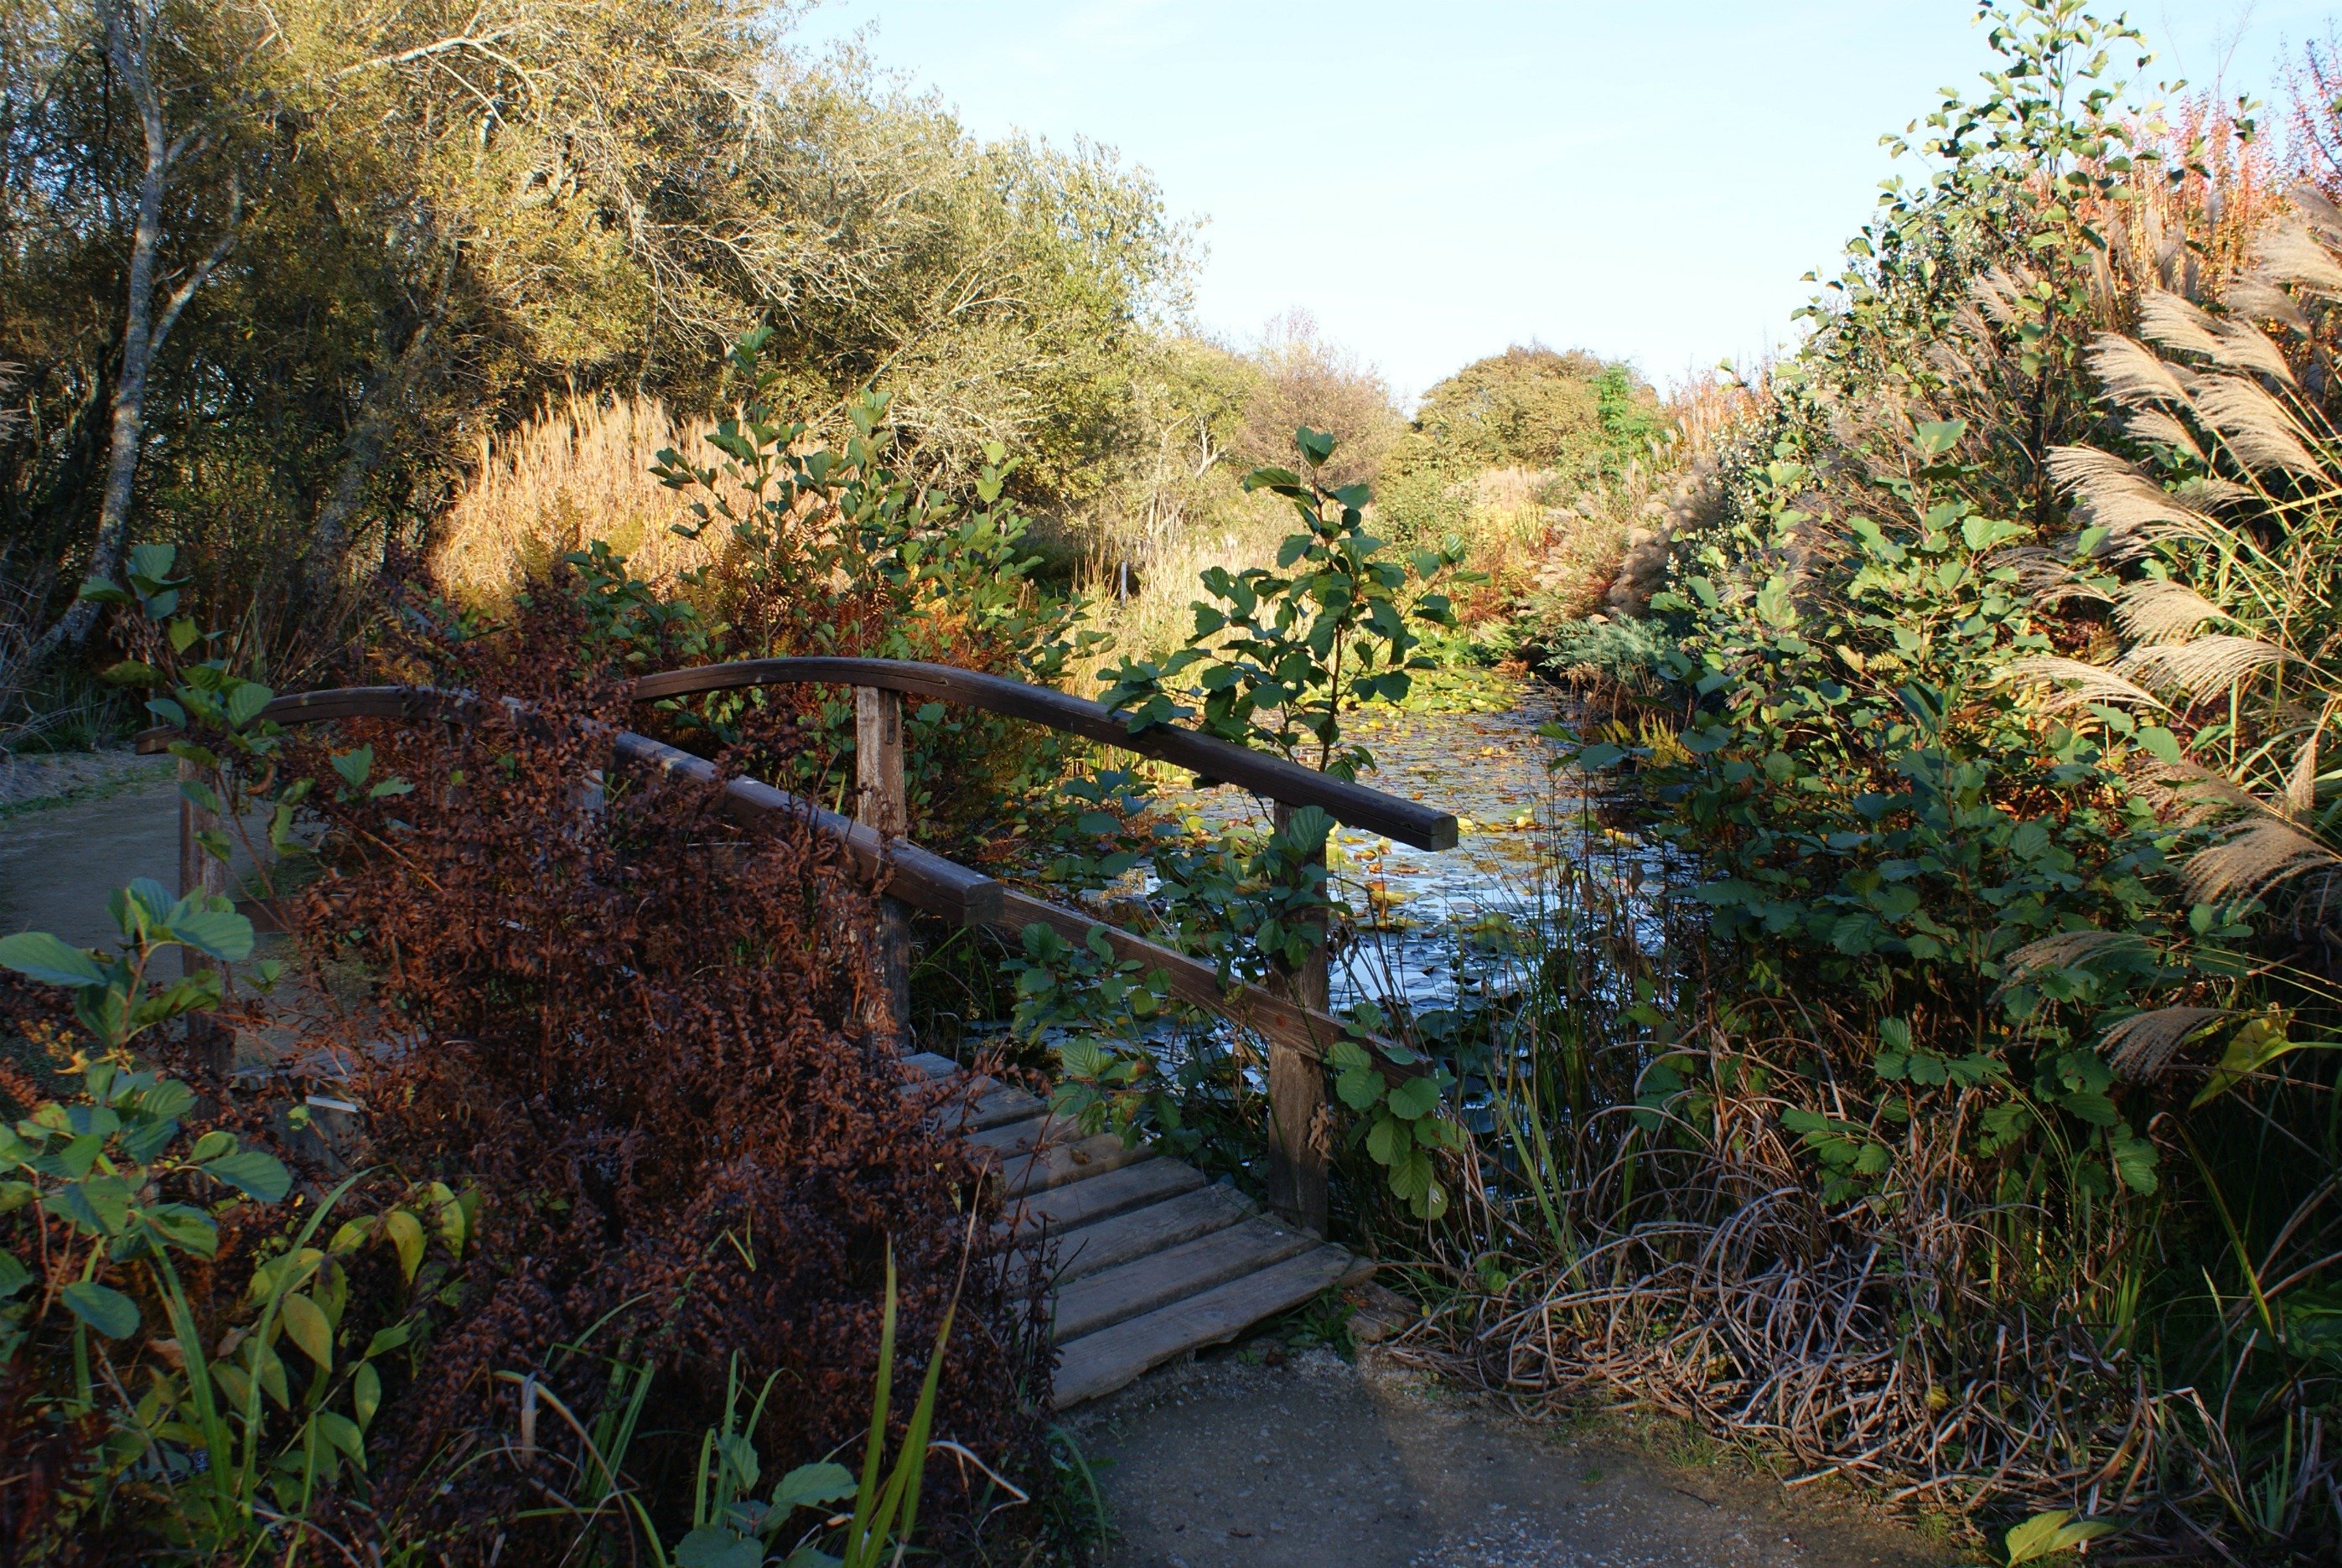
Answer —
(917, 876)
(1271, 778)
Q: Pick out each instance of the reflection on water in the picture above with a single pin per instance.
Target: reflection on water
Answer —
(1429, 924)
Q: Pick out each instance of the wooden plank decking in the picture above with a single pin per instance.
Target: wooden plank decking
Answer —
(1151, 1262)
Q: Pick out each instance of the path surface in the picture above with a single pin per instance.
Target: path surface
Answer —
(1227, 1463)
(59, 861)
(1222, 1462)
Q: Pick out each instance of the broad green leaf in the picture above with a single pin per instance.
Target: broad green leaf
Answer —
(2093, 1107)
(220, 933)
(2261, 1042)
(1359, 1088)
(253, 1173)
(2044, 1533)
(1415, 1097)
(233, 1380)
(2133, 1161)
(389, 1338)
(366, 1393)
(245, 703)
(354, 766)
(103, 1308)
(98, 1206)
(168, 1099)
(269, 1367)
(212, 1145)
(343, 1433)
(1598, 756)
(14, 1275)
(713, 1546)
(186, 1227)
(809, 1484)
(1410, 1176)
(44, 958)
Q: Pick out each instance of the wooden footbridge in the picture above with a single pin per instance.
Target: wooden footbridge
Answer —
(1151, 1259)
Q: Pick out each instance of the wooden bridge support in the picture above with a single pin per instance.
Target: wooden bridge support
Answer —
(881, 801)
(1296, 1091)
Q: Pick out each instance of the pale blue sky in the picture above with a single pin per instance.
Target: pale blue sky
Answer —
(1434, 179)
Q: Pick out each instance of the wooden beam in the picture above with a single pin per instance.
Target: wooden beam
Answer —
(1297, 1082)
(1273, 778)
(917, 876)
(903, 870)
(882, 804)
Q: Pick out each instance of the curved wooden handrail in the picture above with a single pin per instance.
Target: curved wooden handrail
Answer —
(1354, 805)
(919, 877)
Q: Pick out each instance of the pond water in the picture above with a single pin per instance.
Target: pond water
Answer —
(1426, 924)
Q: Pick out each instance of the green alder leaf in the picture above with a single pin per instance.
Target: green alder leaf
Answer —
(46, 958)
(104, 1309)
(2133, 1161)
(217, 933)
(1415, 1098)
(98, 1206)
(1359, 1088)
(186, 1227)
(253, 1173)
(1410, 1177)
(2089, 1105)
(245, 703)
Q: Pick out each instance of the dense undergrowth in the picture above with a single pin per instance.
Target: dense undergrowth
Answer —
(1965, 1123)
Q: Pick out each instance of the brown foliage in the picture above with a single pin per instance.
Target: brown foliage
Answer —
(47, 1465)
(654, 1043)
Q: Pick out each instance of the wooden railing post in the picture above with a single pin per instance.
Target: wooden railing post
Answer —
(1296, 1092)
(201, 871)
(881, 802)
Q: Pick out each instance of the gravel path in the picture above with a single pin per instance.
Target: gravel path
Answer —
(1226, 1463)
(95, 823)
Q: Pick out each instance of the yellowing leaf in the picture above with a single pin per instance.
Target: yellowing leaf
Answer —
(307, 1326)
(407, 1234)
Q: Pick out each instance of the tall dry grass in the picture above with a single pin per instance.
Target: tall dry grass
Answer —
(579, 472)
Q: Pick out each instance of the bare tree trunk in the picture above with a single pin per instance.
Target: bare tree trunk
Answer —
(361, 449)
(129, 48)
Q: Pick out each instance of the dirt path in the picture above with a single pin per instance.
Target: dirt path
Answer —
(1226, 1463)
(62, 853)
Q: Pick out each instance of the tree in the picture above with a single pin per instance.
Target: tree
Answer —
(152, 303)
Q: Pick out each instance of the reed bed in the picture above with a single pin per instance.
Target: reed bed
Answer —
(578, 473)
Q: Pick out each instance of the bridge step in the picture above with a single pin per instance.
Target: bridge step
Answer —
(1100, 1362)
(1152, 1262)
